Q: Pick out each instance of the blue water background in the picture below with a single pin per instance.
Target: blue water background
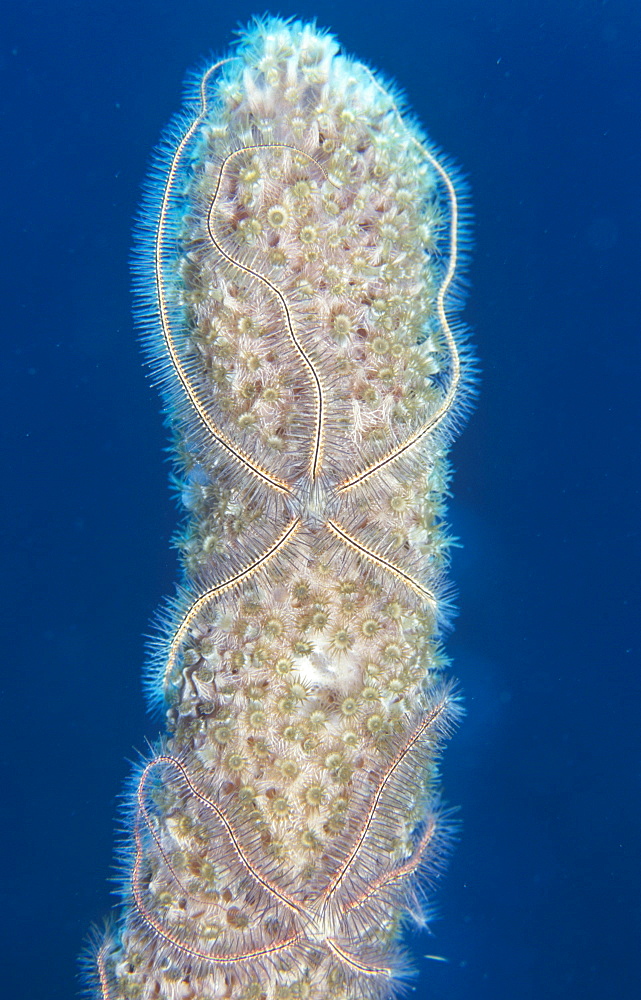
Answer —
(539, 103)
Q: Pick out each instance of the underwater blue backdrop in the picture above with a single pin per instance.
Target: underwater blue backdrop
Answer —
(539, 103)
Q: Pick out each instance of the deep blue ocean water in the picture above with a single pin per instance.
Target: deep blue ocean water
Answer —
(539, 103)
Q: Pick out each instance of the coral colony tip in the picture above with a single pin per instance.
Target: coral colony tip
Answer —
(295, 273)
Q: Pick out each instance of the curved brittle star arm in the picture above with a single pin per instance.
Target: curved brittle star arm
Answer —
(354, 964)
(163, 311)
(447, 402)
(144, 812)
(283, 897)
(391, 769)
(317, 447)
(193, 952)
(101, 965)
(194, 610)
(400, 574)
(399, 873)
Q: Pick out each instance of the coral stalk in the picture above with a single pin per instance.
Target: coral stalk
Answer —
(297, 253)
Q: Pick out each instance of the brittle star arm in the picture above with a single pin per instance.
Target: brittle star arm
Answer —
(101, 965)
(353, 963)
(447, 402)
(144, 812)
(220, 813)
(190, 950)
(391, 769)
(317, 447)
(363, 550)
(194, 610)
(397, 874)
(182, 374)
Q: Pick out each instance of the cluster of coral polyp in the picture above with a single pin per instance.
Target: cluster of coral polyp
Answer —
(297, 264)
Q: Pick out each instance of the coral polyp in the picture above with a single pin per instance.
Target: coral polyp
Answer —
(295, 272)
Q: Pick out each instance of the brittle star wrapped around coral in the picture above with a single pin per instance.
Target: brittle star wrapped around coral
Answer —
(297, 256)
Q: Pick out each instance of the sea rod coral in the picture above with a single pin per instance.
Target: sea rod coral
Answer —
(297, 254)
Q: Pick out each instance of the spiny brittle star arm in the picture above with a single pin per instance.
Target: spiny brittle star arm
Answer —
(190, 950)
(220, 813)
(385, 564)
(103, 978)
(194, 610)
(317, 445)
(182, 374)
(425, 724)
(446, 404)
(397, 874)
(354, 964)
